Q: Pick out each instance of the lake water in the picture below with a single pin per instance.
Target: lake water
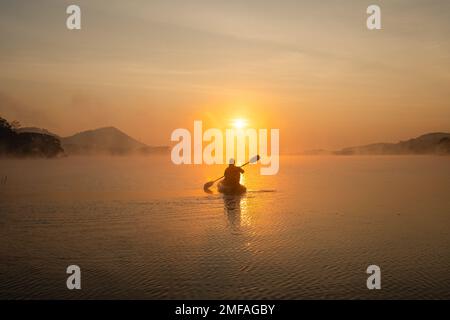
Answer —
(142, 228)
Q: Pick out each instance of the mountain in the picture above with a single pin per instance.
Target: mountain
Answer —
(431, 143)
(107, 140)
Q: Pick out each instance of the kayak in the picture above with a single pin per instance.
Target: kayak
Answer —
(231, 190)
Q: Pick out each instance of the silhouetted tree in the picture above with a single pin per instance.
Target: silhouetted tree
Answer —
(15, 125)
(27, 144)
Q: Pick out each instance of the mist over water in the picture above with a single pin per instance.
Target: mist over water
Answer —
(141, 227)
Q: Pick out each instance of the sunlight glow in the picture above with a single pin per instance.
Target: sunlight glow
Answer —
(239, 123)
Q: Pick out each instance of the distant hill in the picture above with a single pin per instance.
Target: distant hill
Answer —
(107, 140)
(431, 143)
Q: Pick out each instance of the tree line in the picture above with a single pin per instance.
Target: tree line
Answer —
(26, 144)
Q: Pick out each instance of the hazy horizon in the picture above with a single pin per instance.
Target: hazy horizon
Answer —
(285, 152)
(314, 71)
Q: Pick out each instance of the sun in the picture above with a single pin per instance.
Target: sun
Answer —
(239, 123)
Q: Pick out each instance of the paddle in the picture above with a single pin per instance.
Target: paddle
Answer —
(210, 183)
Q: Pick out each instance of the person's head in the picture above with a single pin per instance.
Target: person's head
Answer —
(231, 162)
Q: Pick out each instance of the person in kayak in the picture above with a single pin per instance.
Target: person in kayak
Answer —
(232, 174)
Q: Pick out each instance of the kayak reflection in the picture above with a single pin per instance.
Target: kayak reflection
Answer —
(236, 210)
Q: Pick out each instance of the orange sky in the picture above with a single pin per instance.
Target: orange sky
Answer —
(309, 68)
